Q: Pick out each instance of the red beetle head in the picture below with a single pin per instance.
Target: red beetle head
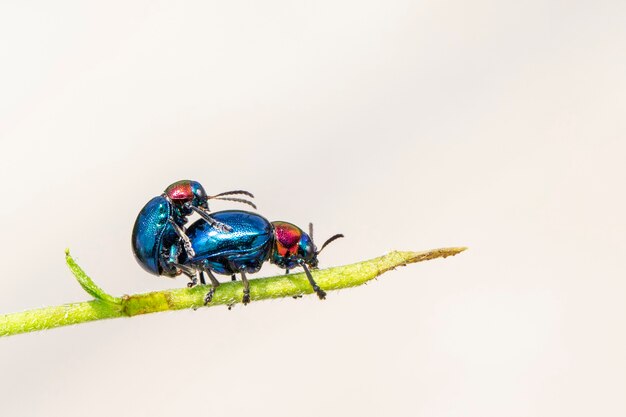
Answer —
(187, 191)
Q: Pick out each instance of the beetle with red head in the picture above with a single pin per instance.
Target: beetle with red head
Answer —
(160, 226)
(251, 241)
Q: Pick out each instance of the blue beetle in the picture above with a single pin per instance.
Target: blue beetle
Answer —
(251, 241)
(159, 230)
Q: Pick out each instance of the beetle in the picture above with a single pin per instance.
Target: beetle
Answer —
(159, 229)
(252, 241)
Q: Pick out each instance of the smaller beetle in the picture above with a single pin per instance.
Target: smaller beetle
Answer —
(251, 241)
(160, 226)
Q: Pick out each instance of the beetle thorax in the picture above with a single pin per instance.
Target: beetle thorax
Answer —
(291, 245)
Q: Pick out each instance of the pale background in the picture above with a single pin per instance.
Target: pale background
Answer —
(404, 125)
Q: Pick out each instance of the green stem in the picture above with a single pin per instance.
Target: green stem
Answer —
(105, 306)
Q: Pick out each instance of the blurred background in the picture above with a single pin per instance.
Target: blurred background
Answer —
(408, 125)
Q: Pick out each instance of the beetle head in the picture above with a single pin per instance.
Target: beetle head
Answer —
(186, 192)
(293, 247)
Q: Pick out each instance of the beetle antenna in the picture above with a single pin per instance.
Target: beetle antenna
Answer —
(239, 200)
(249, 194)
(311, 231)
(331, 239)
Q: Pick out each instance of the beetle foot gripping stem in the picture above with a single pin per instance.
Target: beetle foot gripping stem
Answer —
(320, 292)
(246, 289)
(209, 296)
(246, 298)
(214, 284)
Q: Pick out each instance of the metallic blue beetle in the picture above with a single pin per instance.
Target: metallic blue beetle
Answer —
(251, 241)
(159, 232)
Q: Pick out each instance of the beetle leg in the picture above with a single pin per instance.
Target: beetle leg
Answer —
(246, 288)
(286, 271)
(190, 272)
(214, 284)
(214, 223)
(233, 277)
(171, 256)
(181, 234)
(320, 292)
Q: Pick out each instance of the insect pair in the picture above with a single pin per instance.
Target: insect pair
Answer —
(227, 242)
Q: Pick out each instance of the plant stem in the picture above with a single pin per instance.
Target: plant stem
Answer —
(105, 306)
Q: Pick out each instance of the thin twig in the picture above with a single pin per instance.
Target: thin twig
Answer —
(105, 306)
